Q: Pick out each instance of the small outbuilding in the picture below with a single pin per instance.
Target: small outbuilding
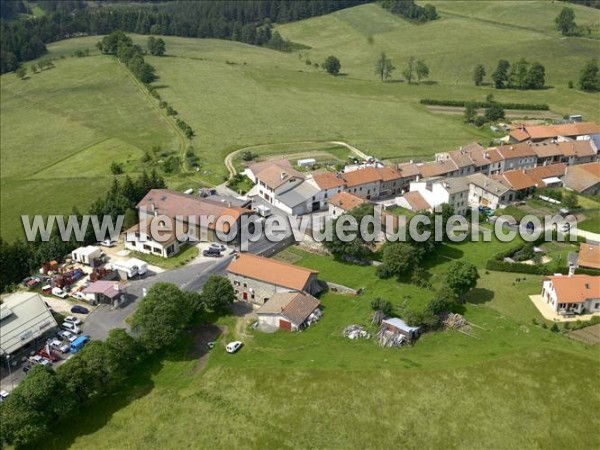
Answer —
(292, 311)
(396, 325)
(103, 291)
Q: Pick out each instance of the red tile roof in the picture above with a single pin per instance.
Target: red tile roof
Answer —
(270, 271)
(347, 201)
(416, 201)
(294, 306)
(575, 288)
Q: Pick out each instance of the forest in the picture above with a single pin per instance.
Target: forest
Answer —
(23, 39)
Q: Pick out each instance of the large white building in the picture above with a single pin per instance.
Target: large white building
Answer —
(25, 322)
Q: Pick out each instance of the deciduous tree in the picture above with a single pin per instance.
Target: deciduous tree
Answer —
(589, 79)
(421, 70)
(478, 74)
(332, 65)
(384, 67)
(461, 277)
(565, 21)
(217, 292)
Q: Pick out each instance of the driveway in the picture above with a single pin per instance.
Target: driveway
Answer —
(189, 278)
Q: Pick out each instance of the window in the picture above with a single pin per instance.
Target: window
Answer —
(325, 194)
(245, 285)
(236, 283)
(597, 305)
(147, 247)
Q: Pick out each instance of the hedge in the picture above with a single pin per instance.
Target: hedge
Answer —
(504, 266)
(462, 103)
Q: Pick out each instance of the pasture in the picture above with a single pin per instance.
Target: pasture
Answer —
(73, 120)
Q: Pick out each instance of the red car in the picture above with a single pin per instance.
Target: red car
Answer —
(50, 356)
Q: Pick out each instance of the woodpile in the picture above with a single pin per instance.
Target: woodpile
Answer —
(356, 332)
(456, 321)
(388, 338)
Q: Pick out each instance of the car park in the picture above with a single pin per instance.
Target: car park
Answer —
(59, 345)
(233, 347)
(37, 359)
(78, 309)
(67, 336)
(58, 292)
(72, 319)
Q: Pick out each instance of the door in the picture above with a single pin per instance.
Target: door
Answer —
(245, 296)
(285, 325)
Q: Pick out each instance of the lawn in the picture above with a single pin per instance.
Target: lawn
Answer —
(187, 254)
(448, 390)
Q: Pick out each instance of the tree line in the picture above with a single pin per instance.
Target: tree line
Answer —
(119, 44)
(410, 10)
(101, 368)
(18, 259)
(249, 22)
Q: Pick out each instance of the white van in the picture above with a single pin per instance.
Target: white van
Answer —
(58, 292)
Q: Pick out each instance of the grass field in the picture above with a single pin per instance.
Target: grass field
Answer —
(62, 128)
(447, 391)
(72, 121)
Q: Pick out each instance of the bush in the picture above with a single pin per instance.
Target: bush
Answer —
(554, 328)
(479, 121)
(116, 168)
(486, 104)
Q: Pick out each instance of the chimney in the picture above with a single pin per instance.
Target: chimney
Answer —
(152, 207)
(283, 175)
(116, 287)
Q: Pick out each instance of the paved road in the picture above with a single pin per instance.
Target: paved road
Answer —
(189, 278)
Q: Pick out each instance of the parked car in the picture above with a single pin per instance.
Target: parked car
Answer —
(78, 295)
(74, 320)
(58, 292)
(59, 345)
(78, 309)
(37, 359)
(48, 355)
(233, 347)
(108, 243)
(211, 252)
(66, 335)
(71, 327)
(3, 395)
(217, 246)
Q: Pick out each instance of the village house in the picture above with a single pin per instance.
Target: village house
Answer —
(104, 291)
(453, 191)
(589, 256)
(516, 157)
(567, 131)
(584, 178)
(344, 202)
(153, 237)
(483, 191)
(292, 311)
(256, 279)
(197, 217)
(579, 294)
(525, 181)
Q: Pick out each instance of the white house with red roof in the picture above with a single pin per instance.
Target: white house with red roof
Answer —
(578, 294)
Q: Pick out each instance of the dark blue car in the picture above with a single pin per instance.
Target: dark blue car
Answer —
(79, 309)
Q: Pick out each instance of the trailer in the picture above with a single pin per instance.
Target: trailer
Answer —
(131, 268)
(86, 255)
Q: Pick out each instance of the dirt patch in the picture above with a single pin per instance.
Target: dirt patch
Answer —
(204, 334)
(588, 335)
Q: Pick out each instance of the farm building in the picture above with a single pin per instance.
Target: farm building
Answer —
(292, 311)
(86, 255)
(103, 291)
(572, 293)
(256, 279)
(584, 179)
(396, 325)
(192, 215)
(25, 323)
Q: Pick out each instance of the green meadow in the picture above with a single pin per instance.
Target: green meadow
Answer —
(508, 384)
(62, 128)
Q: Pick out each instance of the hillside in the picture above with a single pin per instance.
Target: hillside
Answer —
(85, 113)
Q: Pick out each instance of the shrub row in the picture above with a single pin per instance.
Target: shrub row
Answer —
(462, 103)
